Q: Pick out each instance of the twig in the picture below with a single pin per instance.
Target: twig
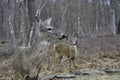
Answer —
(51, 77)
(64, 14)
(39, 10)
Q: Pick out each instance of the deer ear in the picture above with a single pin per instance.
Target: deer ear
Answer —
(48, 21)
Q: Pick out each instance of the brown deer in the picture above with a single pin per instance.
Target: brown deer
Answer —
(68, 50)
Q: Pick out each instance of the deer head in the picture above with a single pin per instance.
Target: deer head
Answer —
(46, 25)
(45, 29)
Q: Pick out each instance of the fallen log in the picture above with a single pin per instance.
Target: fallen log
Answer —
(77, 73)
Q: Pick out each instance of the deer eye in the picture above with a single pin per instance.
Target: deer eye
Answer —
(49, 29)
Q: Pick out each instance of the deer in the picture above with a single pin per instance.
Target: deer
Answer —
(68, 50)
(21, 62)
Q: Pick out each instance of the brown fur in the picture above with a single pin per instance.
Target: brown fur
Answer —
(66, 50)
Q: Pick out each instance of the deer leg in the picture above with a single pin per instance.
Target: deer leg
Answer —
(73, 61)
(58, 62)
(73, 65)
(58, 59)
(69, 67)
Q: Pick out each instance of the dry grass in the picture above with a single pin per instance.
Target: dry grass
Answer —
(97, 61)
(106, 56)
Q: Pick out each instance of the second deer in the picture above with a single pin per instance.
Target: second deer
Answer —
(68, 50)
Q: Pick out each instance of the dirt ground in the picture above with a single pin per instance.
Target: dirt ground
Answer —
(85, 63)
(105, 56)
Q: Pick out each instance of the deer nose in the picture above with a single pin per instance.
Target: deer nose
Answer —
(63, 36)
(75, 43)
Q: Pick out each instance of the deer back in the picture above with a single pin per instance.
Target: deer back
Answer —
(66, 49)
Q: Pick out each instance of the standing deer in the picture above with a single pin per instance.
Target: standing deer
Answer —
(68, 50)
(20, 62)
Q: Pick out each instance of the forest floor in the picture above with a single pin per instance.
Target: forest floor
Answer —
(98, 62)
(107, 58)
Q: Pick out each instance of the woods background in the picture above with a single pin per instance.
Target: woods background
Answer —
(73, 17)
